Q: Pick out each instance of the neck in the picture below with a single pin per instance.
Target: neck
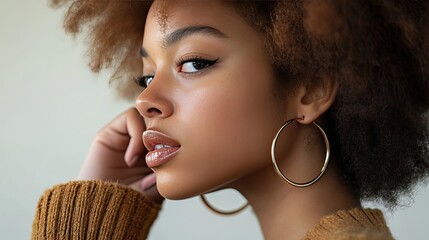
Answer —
(287, 212)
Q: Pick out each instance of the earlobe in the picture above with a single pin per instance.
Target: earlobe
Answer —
(315, 99)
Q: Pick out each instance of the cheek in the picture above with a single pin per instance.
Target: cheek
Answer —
(233, 114)
(226, 131)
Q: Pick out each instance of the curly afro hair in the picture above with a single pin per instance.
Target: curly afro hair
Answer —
(378, 51)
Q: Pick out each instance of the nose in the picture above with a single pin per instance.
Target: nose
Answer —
(155, 101)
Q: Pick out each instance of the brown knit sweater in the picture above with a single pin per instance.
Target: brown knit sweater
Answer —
(102, 210)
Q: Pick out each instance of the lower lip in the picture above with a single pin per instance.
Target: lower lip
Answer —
(158, 157)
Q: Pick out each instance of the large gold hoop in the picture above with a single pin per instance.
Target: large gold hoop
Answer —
(279, 172)
(221, 212)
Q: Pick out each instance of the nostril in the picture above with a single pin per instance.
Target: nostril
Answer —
(154, 111)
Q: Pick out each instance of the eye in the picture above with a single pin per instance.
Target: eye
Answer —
(144, 81)
(195, 65)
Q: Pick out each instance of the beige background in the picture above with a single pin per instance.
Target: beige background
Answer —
(51, 106)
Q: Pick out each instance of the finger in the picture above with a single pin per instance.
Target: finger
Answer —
(147, 187)
(119, 124)
(114, 135)
(153, 194)
(135, 127)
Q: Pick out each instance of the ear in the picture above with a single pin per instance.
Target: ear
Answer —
(315, 98)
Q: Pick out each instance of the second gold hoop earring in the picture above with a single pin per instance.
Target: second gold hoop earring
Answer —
(279, 172)
(221, 212)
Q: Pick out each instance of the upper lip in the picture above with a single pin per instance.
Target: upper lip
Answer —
(152, 138)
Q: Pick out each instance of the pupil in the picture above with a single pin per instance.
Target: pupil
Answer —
(198, 65)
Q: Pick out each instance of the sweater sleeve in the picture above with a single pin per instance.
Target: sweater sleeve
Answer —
(93, 210)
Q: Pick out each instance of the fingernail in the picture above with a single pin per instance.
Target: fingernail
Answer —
(148, 181)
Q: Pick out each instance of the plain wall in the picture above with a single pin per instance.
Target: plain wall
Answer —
(51, 107)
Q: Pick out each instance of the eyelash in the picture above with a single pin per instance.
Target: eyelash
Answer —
(199, 59)
(143, 80)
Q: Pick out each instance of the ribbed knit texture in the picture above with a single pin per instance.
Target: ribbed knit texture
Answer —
(93, 210)
(356, 224)
(102, 210)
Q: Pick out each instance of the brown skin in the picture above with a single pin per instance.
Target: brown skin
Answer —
(224, 118)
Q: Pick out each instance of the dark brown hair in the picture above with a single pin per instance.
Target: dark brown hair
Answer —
(378, 51)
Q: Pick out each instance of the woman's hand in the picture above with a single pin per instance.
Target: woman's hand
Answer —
(117, 154)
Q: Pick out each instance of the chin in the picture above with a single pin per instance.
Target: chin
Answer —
(173, 195)
(175, 187)
(172, 188)
(176, 193)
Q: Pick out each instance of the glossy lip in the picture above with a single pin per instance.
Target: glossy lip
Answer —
(161, 148)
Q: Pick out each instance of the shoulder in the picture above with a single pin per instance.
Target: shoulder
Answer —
(356, 224)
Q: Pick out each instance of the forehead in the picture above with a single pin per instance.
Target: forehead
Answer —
(165, 15)
(166, 10)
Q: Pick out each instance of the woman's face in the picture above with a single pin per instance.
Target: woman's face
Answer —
(211, 91)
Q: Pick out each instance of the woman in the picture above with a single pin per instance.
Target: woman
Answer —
(333, 94)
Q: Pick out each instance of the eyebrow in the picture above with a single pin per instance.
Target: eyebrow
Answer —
(181, 33)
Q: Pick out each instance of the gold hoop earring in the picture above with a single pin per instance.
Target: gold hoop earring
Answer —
(221, 212)
(279, 172)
